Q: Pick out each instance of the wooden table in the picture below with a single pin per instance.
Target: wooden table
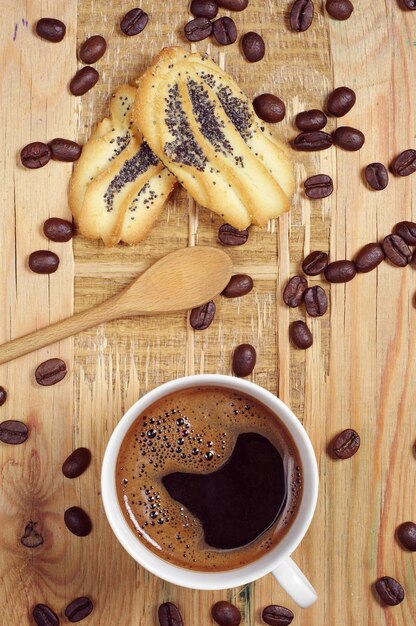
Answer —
(360, 371)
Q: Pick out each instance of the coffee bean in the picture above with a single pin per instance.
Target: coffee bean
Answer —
(253, 47)
(301, 15)
(225, 30)
(93, 49)
(404, 164)
(76, 463)
(230, 236)
(51, 29)
(294, 291)
(44, 616)
(198, 29)
(396, 250)
(134, 22)
(202, 316)
(239, 285)
(348, 138)
(31, 538)
(316, 301)
(339, 9)
(13, 432)
(389, 590)
(318, 186)
(43, 262)
(269, 108)
(406, 534)
(50, 372)
(233, 5)
(407, 231)
(83, 81)
(346, 444)
(315, 263)
(301, 337)
(340, 101)
(275, 615)
(311, 120)
(409, 4)
(3, 396)
(313, 140)
(226, 614)
(340, 271)
(244, 360)
(65, 150)
(369, 257)
(78, 609)
(204, 8)
(57, 229)
(376, 176)
(35, 155)
(77, 521)
(169, 615)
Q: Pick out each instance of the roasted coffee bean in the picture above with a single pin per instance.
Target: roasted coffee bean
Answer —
(93, 49)
(316, 301)
(409, 4)
(315, 263)
(340, 271)
(134, 22)
(404, 164)
(376, 176)
(301, 15)
(313, 140)
(244, 360)
(13, 432)
(276, 615)
(406, 534)
(3, 396)
(83, 81)
(76, 463)
(340, 101)
(339, 9)
(77, 521)
(225, 30)
(389, 590)
(50, 372)
(57, 229)
(230, 236)
(311, 120)
(202, 316)
(204, 8)
(294, 291)
(301, 337)
(396, 250)
(253, 47)
(346, 444)
(226, 614)
(198, 29)
(369, 257)
(233, 5)
(348, 138)
(51, 29)
(44, 616)
(65, 150)
(407, 231)
(31, 538)
(35, 155)
(269, 108)
(318, 186)
(43, 262)
(78, 609)
(169, 615)
(239, 285)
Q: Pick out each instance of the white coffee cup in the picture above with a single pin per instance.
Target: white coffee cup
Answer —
(277, 561)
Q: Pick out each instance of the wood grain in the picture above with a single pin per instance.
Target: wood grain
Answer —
(360, 371)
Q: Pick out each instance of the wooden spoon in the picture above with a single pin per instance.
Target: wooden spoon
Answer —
(180, 280)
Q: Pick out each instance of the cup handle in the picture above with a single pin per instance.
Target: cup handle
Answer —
(295, 583)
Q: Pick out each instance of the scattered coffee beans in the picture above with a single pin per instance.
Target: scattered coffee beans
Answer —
(404, 164)
(44, 616)
(3, 396)
(77, 521)
(369, 257)
(406, 534)
(169, 615)
(76, 463)
(13, 432)
(198, 29)
(340, 271)
(134, 22)
(318, 186)
(57, 229)
(301, 15)
(93, 49)
(226, 614)
(269, 108)
(253, 47)
(316, 302)
(301, 337)
(204, 8)
(31, 538)
(389, 590)
(315, 263)
(65, 150)
(396, 250)
(313, 140)
(311, 120)
(244, 360)
(239, 285)
(339, 9)
(230, 236)
(78, 609)
(43, 262)
(83, 81)
(225, 31)
(376, 176)
(51, 29)
(202, 316)
(50, 372)
(348, 138)
(275, 615)
(407, 231)
(340, 101)
(233, 5)
(35, 155)
(346, 444)
(294, 291)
